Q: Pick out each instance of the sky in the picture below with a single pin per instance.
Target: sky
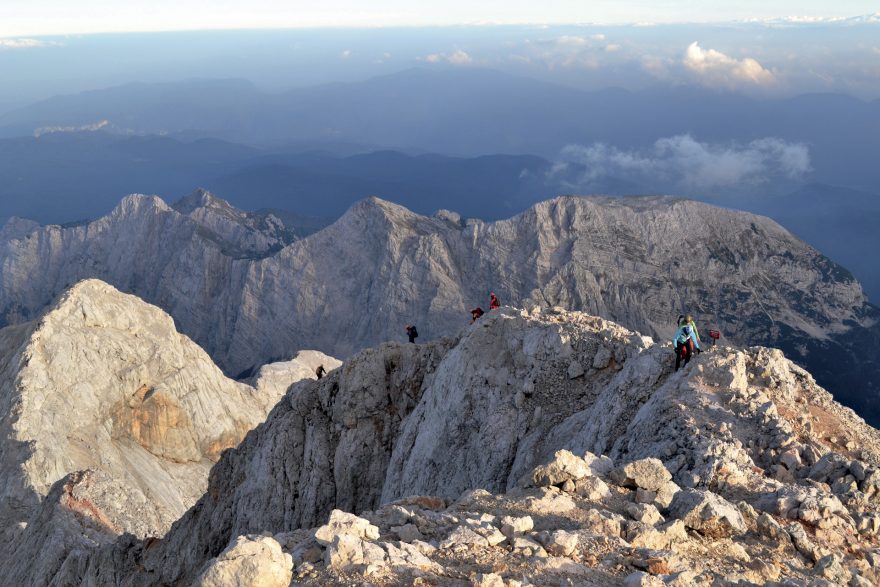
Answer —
(19, 18)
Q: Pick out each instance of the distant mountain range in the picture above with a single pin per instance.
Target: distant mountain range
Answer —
(471, 112)
(357, 282)
(64, 177)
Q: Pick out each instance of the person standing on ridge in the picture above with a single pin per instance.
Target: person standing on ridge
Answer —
(684, 341)
(476, 313)
(494, 304)
(320, 371)
(412, 333)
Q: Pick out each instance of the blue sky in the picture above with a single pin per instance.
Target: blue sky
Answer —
(62, 17)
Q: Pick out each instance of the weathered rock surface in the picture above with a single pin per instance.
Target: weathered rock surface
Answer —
(250, 561)
(357, 282)
(274, 379)
(401, 422)
(102, 399)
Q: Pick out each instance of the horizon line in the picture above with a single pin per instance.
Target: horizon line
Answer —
(789, 21)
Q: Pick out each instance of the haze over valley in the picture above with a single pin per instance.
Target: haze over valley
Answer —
(494, 294)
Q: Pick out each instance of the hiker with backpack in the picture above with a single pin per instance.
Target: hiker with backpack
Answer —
(684, 341)
(476, 313)
(320, 371)
(689, 320)
(494, 304)
(412, 333)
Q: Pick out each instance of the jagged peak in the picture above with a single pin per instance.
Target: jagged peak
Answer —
(134, 203)
(201, 198)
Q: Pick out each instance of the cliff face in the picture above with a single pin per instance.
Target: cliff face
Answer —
(747, 459)
(637, 261)
(104, 396)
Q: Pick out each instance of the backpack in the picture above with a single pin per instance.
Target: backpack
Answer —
(686, 332)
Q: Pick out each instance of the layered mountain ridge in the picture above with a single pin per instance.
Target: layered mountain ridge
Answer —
(474, 458)
(638, 261)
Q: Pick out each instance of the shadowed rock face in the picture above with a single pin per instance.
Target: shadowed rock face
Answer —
(487, 408)
(637, 261)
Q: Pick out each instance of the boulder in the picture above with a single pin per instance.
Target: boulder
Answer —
(348, 550)
(513, 526)
(250, 561)
(559, 542)
(565, 466)
(648, 474)
(343, 523)
(708, 513)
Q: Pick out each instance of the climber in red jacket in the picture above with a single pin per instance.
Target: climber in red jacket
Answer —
(493, 302)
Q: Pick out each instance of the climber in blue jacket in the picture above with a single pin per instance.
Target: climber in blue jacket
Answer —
(684, 341)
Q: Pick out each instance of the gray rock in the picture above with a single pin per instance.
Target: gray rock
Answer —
(248, 561)
(648, 474)
(343, 523)
(707, 513)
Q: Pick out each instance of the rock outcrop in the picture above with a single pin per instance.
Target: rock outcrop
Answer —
(637, 261)
(111, 421)
(480, 459)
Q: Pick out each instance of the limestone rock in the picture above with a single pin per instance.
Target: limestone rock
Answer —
(250, 561)
(344, 523)
(220, 271)
(648, 474)
(440, 419)
(564, 467)
(514, 526)
(274, 379)
(104, 382)
(707, 513)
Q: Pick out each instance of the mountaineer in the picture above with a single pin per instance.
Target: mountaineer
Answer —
(684, 341)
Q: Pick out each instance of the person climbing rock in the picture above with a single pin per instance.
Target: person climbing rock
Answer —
(412, 333)
(684, 341)
(476, 313)
(320, 371)
(494, 304)
(689, 320)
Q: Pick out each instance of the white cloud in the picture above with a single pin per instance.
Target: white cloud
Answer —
(714, 68)
(578, 41)
(612, 47)
(572, 41)
(346, 54)
(683, 162)
(24, 44)
(459, 57)
(96, 126)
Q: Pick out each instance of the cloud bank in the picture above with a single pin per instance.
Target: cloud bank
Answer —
(11, 44)
(459, 57)
(684, 162)
(714, 68)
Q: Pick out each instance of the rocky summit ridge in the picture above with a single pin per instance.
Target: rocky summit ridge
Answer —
(103, 396)
(536, 447)
(248, 296)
